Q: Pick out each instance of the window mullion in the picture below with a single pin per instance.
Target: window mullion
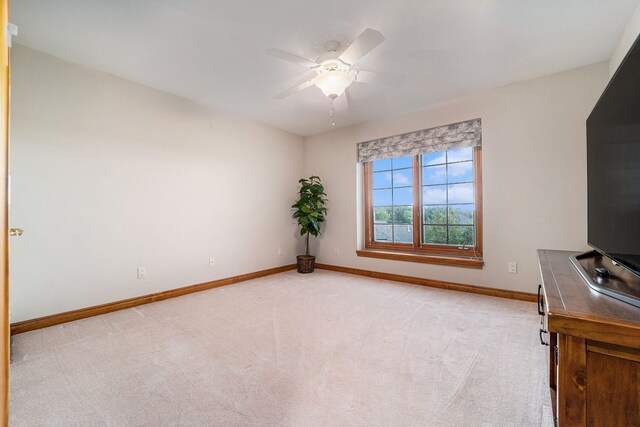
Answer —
(417, 207)
(446, 188)
(393, 206)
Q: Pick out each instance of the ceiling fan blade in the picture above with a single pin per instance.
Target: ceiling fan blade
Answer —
(342, 103)
(366, 76)
(294, 89)
(364, 44)
(347, 98)
(292, 58)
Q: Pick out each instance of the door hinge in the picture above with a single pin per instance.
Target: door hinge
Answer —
(12, 30)
(555, 354)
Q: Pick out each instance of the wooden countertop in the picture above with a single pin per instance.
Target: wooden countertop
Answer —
(576, 309)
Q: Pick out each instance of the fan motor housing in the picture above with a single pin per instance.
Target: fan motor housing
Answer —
(332, 46)
(329, 56)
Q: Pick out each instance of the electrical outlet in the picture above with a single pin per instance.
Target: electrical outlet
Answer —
(279, 251)
(212, 262)
(142, 273)
(336, 251)
(513, 267)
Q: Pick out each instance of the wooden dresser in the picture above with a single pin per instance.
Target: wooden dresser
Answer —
(594, 348)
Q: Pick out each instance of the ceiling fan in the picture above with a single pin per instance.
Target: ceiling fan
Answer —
(334, 71)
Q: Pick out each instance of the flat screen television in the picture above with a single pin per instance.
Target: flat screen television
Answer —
(613, 167)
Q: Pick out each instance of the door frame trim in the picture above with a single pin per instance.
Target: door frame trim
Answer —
(4, 212)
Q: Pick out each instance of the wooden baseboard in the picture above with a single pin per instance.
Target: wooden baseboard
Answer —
(68, 316)
(494, 292)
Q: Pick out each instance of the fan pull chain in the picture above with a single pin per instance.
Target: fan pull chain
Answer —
(331, 113)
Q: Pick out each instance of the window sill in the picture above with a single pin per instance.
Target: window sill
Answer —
(427, 259)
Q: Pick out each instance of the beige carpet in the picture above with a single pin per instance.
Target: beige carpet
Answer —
(326, 349)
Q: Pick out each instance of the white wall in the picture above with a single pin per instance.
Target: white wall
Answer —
(108, 175)
(629, 35)
(534, 176)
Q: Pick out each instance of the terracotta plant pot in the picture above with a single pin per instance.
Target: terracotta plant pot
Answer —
(306, 263)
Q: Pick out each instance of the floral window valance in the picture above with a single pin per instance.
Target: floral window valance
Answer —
(448, 137)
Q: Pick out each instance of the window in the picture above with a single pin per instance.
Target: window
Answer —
(428, 204)
(448, 202)
(393, 200)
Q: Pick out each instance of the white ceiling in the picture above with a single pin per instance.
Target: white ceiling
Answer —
(213, 51)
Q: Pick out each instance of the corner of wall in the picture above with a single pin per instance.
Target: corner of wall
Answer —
(629, 35)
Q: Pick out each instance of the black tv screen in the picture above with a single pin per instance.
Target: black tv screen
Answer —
(613, 166)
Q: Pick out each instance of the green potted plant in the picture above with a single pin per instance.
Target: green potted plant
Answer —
(310, 214)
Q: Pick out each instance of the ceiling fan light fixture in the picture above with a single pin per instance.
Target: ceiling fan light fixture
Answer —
(333, 83)
(334, 69)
